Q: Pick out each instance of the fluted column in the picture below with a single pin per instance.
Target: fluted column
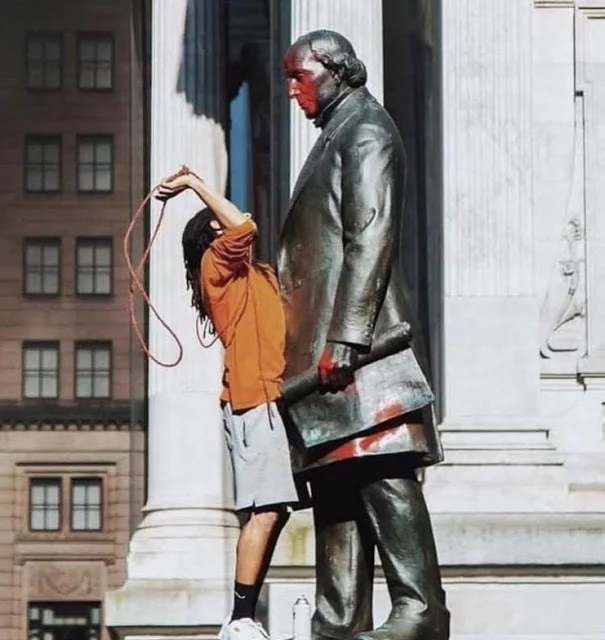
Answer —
(491, 310)
(181, 556)
(361, 23)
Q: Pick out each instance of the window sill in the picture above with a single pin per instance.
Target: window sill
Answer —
(33, 89)
(94, 296)
(96, 89)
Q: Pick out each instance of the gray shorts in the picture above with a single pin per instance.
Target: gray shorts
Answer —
(260, 456)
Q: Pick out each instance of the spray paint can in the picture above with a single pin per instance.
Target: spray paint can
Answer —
(302, 619)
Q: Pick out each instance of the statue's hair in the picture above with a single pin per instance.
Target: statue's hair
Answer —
(336, 54)
(197, 236)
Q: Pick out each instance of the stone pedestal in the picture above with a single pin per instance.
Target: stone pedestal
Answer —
(181, 557)
(361, 23)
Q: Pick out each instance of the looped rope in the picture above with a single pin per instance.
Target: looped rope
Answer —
(137, 285)
(136, 275)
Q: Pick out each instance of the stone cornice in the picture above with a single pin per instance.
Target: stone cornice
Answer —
(83, 416)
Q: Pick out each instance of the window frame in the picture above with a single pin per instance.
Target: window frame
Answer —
(96, 36)
(88, 480)
(82, 240)
(82, 468)
(40, 344)
(41, 240)
(42, 138)
(49, 35)
(56, 481)
(93, 344)
(95, 137)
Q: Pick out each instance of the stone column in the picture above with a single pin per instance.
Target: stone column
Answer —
(491, 310)
(499, 453)
(361, 23)
(180, 560)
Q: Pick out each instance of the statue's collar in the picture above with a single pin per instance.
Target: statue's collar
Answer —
(324, 117)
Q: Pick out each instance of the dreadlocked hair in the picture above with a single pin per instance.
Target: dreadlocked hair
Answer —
(197, 236)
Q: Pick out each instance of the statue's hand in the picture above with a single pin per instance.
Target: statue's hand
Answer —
(336, 365)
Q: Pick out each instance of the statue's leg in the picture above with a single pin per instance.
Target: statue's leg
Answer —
(344, 556)
(400, 521)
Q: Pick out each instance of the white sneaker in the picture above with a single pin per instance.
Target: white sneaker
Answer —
(243, 629)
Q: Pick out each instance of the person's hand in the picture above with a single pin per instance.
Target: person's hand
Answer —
(173, 185)
(336, 365)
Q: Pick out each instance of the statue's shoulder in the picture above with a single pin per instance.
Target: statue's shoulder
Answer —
(364, 112)
(371, 122)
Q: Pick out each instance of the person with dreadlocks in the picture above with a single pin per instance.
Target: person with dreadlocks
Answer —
(240, 297)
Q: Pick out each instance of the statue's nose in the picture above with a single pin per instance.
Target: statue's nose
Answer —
(292, 89)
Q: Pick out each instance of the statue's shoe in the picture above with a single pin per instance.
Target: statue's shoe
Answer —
(407, 625)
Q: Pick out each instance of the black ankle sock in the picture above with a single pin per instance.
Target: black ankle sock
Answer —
(244, 601)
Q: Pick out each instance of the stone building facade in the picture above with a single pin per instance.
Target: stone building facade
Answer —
(500, 106)
(71, 422)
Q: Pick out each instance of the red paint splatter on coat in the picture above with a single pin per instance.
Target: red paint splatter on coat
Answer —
(387, 413)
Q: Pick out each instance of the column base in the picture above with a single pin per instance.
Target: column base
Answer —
(184, 544)
(174, 609)
(180, 576)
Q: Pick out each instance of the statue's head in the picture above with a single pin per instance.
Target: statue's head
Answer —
(319, 67)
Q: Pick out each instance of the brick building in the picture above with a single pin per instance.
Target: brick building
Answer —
(71, 437)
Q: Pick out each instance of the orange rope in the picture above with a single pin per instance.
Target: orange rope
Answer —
(136, 284)
(136, 275)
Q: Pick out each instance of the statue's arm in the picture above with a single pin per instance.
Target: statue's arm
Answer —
(371, 168)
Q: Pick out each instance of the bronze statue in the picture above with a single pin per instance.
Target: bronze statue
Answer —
(364, 434)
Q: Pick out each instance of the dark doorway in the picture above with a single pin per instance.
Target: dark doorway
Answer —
(412, 95)
(257, 36)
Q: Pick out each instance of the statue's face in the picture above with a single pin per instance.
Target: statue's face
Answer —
(309, 82)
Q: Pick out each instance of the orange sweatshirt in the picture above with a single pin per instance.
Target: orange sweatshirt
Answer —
(243, 303)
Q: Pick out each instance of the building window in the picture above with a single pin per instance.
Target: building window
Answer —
(95, 61)
(93, 370)
(86, 504)
(44, 61)
(41, 266)
(45, 504)
(93, 266)
(64, 620)
(42, 163)
(95, 164)
(41, 370)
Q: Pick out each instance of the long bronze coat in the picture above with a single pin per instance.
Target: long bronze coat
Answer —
(340, 274)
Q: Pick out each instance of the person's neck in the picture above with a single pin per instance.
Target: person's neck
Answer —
(323, 118)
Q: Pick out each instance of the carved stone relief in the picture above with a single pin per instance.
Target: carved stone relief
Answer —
(563, 311)
(64, 580)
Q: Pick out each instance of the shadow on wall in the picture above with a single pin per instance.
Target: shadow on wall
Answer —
(202, 58)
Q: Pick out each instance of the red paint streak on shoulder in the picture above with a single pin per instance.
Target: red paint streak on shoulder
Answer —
(389, 412)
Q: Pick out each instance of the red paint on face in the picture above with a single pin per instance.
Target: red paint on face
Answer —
(307, 80)
(392, 411)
